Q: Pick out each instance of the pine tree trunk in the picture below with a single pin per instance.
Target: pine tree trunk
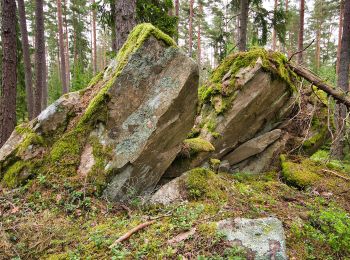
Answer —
(318, 48)
(341, 13)
(301, 32)
(66, 45)
(125, 20)
(177, 9)
(62, 48)
(274, 40)
(199, 40)
(190, 30)
(343, 83)
(244, 8)
(94, 38)
(45, 91)
(39, 55)
(9, 70)
(26, 58)
(113, 26)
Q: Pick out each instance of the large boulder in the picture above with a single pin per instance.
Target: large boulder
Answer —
(122, 132)
(243, 104)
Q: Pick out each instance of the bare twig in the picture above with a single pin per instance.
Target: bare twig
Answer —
(336, 174)
(128, 234)
(127, 209)
(295, 53)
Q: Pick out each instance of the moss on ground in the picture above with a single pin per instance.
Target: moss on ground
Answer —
(57, 221)
(300, 175)
(204, 183)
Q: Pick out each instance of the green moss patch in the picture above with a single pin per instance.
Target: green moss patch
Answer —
(197, 144)
(300, 175)
(202, 183)
(222, 81)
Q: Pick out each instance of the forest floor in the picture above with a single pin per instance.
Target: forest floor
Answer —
(47, 221)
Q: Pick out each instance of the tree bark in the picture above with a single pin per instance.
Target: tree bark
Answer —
(45, 90)
(113, 25)
(125, 20)
(341, 13)
(337, 150)
(26, 58)
(199, 40)
(301, 32)
(94, 38)
(177, 9)
(66, 45)
(318, 48)
(62, 48)
(190, 29)
(244, 7)
(39, 55)
(274, 38)
(9, 70)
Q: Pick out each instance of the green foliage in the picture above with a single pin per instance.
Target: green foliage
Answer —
(330, 226)
(323, 156)
(156, 12)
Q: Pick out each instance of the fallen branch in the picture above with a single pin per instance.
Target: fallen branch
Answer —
(319, 83)
(295, 53)
(128, 234)
(336, 174)
(181, 237)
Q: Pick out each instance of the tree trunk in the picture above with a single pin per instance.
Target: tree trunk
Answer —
(190, 30)
(26, 58)
(9, 70)
(113, 25)
(94, 38)
(66, 45)
(177, 9)
(274, 38)
(341, 13)
(45, 91)
(343, 83)
(125, 20)
(62, 48)
(318, 47)
(301, 32)
(244, 7)
(39, 55)
(199, 40)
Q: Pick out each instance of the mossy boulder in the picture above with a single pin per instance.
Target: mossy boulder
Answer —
(196, 184)
(121, 132)
(300, 174)
(248, 95)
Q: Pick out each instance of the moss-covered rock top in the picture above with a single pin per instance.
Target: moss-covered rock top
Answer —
(223, 80)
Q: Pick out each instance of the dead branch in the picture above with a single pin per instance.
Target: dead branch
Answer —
(128, 234)
(295, 53)
(319, 83)
(336, 174)
(127, 209)
(181, 237)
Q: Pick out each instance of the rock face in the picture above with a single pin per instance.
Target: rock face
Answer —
(122, 132)
(248, 96)
(263, 238)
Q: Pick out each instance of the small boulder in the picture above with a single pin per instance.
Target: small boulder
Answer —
(263, 238)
